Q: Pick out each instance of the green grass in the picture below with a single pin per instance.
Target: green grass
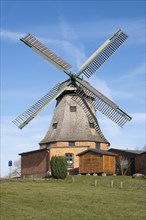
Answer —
(64, 200)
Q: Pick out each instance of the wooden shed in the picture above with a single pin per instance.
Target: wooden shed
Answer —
(140, 163)
(132, 160)
(96, 161)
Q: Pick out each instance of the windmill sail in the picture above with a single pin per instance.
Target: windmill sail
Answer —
(29, 114)
(103, 104)
(102, 54)
(43, 51)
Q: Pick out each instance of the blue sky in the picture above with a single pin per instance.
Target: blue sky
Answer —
(73, 30)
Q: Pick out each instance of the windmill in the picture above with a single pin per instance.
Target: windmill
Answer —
(88, 98)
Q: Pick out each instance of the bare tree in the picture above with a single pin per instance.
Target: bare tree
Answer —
(144, 148)
(123, 164)
(17, 168)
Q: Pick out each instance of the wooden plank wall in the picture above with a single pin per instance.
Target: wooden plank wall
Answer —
(96, 163)
(108, 164)
(91, 163)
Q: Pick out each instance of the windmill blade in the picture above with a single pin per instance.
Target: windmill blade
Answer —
(102, 103)
(102, 54)
(30, 113)
(43, 51)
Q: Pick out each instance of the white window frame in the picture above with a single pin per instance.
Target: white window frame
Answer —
(70, 159)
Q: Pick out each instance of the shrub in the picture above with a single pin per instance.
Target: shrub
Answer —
(59, 167)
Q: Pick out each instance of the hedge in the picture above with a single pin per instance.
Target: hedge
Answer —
(59, 167)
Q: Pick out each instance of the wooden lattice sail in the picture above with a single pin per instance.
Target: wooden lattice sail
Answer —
(84, 90)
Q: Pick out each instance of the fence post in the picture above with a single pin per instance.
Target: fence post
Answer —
(112, 183)
(121, 185)
(95, 182)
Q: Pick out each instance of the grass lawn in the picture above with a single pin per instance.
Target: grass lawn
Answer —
(79, 200)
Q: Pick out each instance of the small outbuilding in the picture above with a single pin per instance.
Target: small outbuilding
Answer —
(134, 161)
(96, 161)
(35, 163)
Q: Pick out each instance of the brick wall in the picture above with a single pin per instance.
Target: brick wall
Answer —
(103, 146)
(35, 163)
(61, 151)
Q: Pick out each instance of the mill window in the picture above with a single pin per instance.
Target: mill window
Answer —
(91, 125)
(71, 143)
(69, 158)
(73, 108)
(54, 125)
(97, 145)
(48, 145)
